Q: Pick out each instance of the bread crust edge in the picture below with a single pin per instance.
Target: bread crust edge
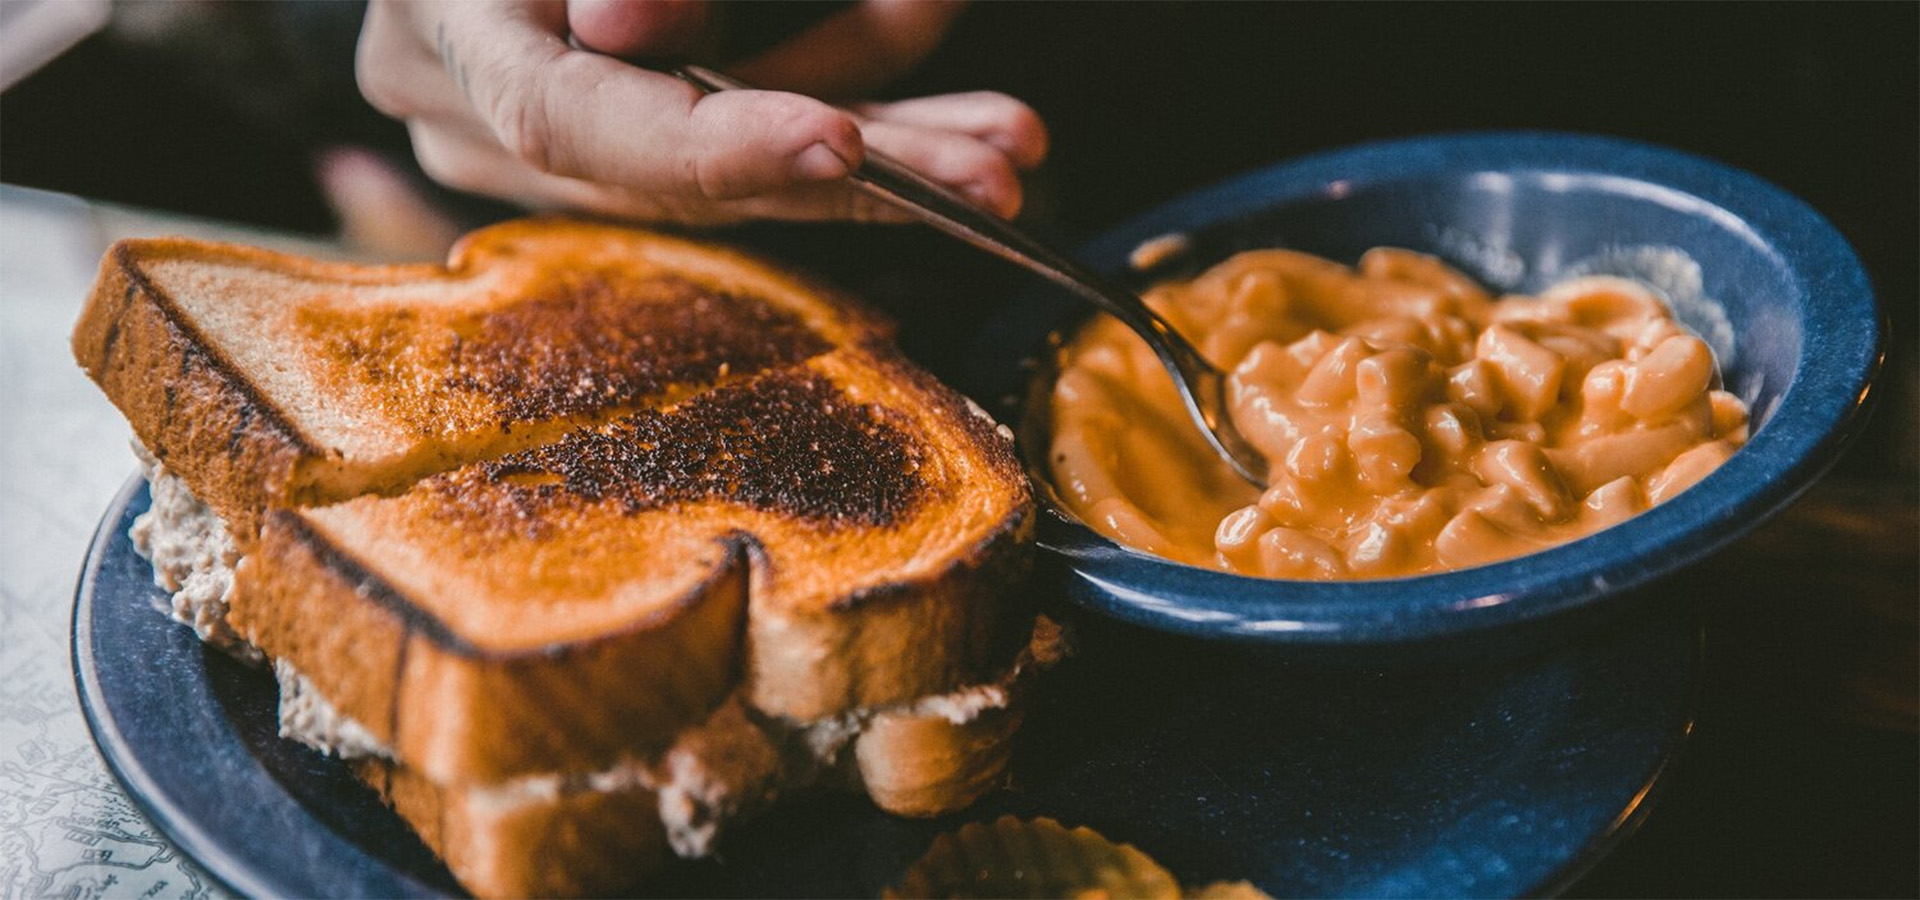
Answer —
(237, 452)
(464, 714)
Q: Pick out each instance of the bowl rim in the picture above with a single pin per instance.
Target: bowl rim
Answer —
(1812, 421)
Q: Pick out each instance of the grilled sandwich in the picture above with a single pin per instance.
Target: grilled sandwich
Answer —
(584, 545)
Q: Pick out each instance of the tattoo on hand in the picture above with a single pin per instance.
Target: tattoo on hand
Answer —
(453, 65)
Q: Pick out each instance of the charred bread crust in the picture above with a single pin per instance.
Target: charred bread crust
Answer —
(852, 315)
(185, 401)
(889, 643)
(458, 713)
(951, 623)
(569, 842)
(896, 642)
(987, 437)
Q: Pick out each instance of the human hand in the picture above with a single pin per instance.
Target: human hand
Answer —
(498, 102)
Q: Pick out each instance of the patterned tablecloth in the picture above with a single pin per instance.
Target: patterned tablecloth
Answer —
(66, 828)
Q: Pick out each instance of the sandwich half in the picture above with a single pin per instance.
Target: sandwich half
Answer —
(583, 546)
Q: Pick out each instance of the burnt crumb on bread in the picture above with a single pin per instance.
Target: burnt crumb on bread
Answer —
(789, 443)
(271, 380)
(579, 342)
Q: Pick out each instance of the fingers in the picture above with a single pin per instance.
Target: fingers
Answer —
(973, 168)
(996, 119)
(973, 142)
(585, 115)
(639, 30)
(482, 166)
(498, 103)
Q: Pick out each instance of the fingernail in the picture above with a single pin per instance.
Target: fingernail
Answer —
(983, 197)
(819, 163)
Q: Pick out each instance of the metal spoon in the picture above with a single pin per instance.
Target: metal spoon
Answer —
(1202, 387)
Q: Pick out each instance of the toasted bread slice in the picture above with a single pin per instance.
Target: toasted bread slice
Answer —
(528, 518)
(268, 379)
(600, 833)
(941, 753)
(548, 838)
(573, 604)
(603, 834)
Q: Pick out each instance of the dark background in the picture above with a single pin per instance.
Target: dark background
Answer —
(1803, 778)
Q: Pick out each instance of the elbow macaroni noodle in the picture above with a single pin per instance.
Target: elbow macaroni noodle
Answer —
(1414, 423)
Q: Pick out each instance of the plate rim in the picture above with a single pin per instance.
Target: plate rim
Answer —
(244, 877)
(157, 802)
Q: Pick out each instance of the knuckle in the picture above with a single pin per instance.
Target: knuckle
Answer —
(522, 129)
(738, 148)
(708, 182)
(1000, 104)
(1019, 123)
(520, 111)
(387, 61)
(996, 107)
(801, 119)
(449, 163)
(714, 180)
(799, 114)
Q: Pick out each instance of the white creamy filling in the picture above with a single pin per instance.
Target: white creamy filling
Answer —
(739, 762)
(193, 556)
(735, 763)
(306, 716)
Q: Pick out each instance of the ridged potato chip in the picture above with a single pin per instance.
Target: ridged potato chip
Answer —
(1227, 890)
(1032, 859)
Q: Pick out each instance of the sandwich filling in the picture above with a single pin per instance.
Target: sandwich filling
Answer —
(193, 557)
(731, 766)
(308, 717)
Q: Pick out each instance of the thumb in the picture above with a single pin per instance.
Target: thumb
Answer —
(588, 116)
(638, 29)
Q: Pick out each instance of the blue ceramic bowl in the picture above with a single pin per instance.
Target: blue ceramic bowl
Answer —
(1755, 271)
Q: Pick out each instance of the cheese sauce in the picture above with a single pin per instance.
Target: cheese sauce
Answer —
(1414, 423)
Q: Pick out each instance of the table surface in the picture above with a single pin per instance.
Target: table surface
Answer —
(1801, 779)
(66, 828)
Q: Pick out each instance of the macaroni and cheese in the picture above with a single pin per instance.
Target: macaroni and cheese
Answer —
(1414, 422)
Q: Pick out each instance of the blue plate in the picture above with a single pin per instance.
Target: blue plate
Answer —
(1223, 763)
(1757, 273)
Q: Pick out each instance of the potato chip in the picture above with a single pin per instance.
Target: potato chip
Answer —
(1033, 859)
